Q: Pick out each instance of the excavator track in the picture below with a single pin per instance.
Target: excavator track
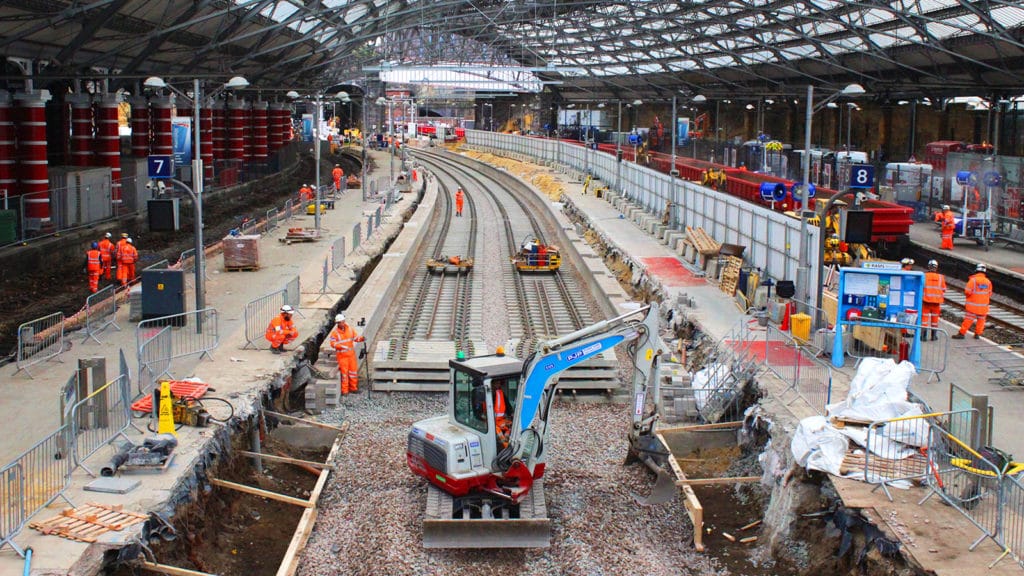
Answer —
(444, 526)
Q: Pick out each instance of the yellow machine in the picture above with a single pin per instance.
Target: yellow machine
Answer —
(836, 251)
(712, 178)
(310, 210)
(449, 265)
(536, 257)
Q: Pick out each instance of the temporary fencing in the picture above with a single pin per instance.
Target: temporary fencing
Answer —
(369, 226)
(338, 253)
(33, 480)
(154, 359)
(189, 333)
(357, 235)
(1011, 525)
(378, 215)
(899, 449)
(40, 340)
(100, 313)
(965, 479)
(796, 365)
(158, 265)
(259, 313)
(99, 418)
(885, 342)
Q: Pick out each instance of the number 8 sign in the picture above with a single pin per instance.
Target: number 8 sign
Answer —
(862, 176)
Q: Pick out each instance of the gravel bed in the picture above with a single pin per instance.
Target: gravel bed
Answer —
(371, 510)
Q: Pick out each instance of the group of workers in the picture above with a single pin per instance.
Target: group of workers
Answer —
(104, 256)
(978, 293)
(307, 192)
(343, 339)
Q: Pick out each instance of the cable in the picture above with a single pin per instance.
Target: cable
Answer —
(230, 406)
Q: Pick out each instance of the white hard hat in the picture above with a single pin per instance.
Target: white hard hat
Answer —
(945, 206)
(981, 268)
(130, 241)
(339, 318)
(107, 235)
(907, 262)
(932, 264)
(287, 308)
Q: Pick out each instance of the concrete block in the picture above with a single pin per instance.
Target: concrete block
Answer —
(659, 230)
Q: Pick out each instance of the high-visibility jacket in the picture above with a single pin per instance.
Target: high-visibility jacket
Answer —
(92, 260)
(337, 173)
(106, 250)
(501, 423)
(948, 221)
(978, 292)
(343, 339)
(128, 254)
(305, 193)
(934, 288)
(281, 331)
(120, 246)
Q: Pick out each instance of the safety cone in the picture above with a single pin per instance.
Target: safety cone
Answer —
(785, 317)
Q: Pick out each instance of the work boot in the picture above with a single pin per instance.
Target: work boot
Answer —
(977, 336)
(275, 350)
(935, 335)
(957, 336)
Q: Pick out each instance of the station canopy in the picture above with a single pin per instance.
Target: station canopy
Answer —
(582, 50)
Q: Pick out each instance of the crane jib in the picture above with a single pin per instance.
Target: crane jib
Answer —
(550, 366)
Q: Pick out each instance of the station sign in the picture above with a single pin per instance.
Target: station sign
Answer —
(160, 167)
(862, 176)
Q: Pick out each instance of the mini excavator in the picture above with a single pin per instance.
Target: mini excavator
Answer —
(486, 470)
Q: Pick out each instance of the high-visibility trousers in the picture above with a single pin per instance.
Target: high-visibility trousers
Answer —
(947, 240)
(94, 280)
(348, 371)
(105, 264)
(125, 272)
(970, 318)
(930, 313)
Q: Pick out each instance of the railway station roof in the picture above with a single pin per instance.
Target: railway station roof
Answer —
(581, 49)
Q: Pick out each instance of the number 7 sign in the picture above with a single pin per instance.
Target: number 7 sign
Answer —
(160, 167)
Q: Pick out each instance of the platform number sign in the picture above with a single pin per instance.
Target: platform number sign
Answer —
(862, 176)
(161, 167)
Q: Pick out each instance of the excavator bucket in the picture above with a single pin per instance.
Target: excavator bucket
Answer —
(447, 527)
(664, 490)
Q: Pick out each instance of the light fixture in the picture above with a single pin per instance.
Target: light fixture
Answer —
(381, 101)
(342, 95)
(236, 82)
(601, 105)
(832, 105)
(854, 90)
(154, 82)
(750, 106)
(903, 102)
(637, 102)
(769, 101)
(699, 99)
(292, 94)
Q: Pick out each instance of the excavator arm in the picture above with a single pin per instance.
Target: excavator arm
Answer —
(540, 380)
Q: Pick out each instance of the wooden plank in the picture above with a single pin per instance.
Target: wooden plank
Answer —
(699, 427)
(286, 460)
(321, 482)
(713, 481)
(173, 570)
(305, 421)
(260, 492)
(693, 507)
(299, 539)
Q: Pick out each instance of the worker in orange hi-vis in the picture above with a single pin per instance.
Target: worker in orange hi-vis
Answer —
(948, 227)
(106, 255)
(460, 199)
(931, 300)
(306, 193)
(502, 424)
(127, 256)
(337, 174)
(978, 292)
(281, 330)
(343, 340)
(93, 266)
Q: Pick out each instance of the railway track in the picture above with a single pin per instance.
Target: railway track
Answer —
(442, 313)
(1004, 315)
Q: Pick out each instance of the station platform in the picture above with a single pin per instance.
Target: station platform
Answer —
(235, 372)
(1000, 256)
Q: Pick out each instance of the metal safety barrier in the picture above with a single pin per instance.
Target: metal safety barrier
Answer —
(190, 333)
(40, 340)
(44, 473)
(338, 253)
(1011, 524)
(378, 214)
(289, 209)
(357, 235)
(154, 359)
(325, 273)
(798, 367)
(966, 480)
(898, 449)
(158, 265)
(369, 226)
(885, 342)
(99, 418)
(100, 313)
(259, 313)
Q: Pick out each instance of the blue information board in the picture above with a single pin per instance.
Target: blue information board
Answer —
(877, 298)
(160, 167)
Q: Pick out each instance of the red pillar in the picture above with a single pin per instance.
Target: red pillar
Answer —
(206, 139)
(247, 137)
(274, 140)
(259, 131)
(8, 182)
(220, 132)
(108, 140)
(160, 124)
(81, 129)
(140, 127)
(236, 130)
(33, 172)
